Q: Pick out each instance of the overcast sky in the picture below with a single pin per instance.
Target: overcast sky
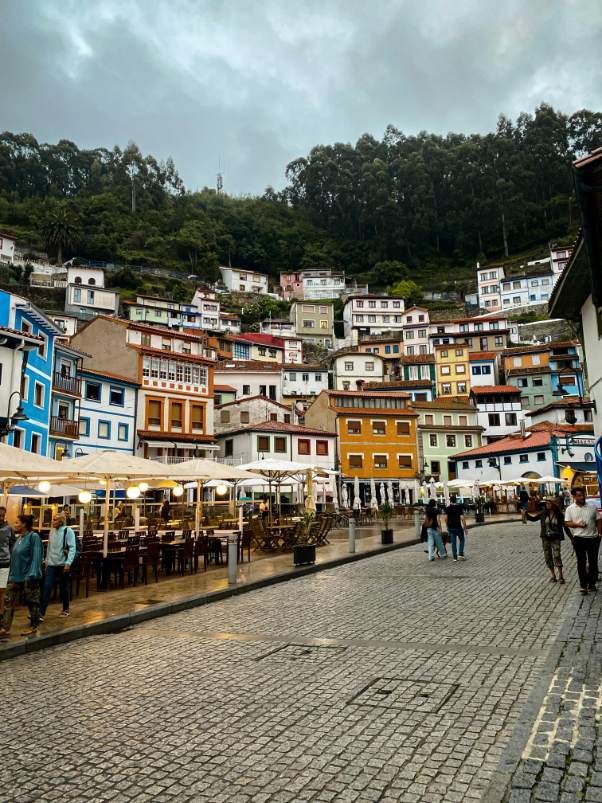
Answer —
(260, 82)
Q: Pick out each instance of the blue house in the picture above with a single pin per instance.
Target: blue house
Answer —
(108, 413)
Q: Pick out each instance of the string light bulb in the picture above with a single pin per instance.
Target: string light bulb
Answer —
(178, 490)
(44, 486)
(143, 487)
(85, 497)
(221, 489)
(133, 492)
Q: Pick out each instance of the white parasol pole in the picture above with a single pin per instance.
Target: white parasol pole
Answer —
(105, 538)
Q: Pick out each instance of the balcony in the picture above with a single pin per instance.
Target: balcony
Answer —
(67, 384)
(64, 427)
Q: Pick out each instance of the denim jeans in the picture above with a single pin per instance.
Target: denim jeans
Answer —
(459, 534)
(435, 540)
(52, 574)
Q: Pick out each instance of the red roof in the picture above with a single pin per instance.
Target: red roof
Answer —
(483, 355)
(513, 443)
(225, 388)
(495, 389)
(110, 376)
(170, 354)
(277, 426)
(368, 394)
(268, 340)
(247, 365)
(170, 437)
(248, 398)
(19, 332)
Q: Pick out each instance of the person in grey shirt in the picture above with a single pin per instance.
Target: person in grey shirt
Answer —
(7, 541)
(584, 520)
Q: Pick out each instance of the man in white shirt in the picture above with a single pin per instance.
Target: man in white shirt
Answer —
(584, 519)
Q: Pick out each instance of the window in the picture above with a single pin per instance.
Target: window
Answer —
(446, 389)
(387, 349)
(349, 366)
(146, 340)
(263, 390)
(116, 396)
(318, 377)
(517, 362)
(263, 443)
(486, 369)
(429, 420)
(322, 448)
(371, 318)
(494, 325)
(359, 318)
(541, 456)
(323, 309)
(468, 441)
(516, 300)
(410, 350)
(511, 419)
(224, 416)
(38, 395)
(465, 464)
(379, 428)
(77, 295)
(287, 418)
(523, 383)
(525, 401)
(537, 400)
(445, 370)
(308, 324)
(355, 460)
(369, 366)
(433, 440)
(478, 327)
(122, 432)
(90, 297)
(272, 352)
(246, 390)
(409, 335)
(380, 461)
(104, 430)
(478, 464)
(422, 333)
(405, 461)
(280, 444)
(176, 415)
(84, 426)
(463, 419)
(292, 377)
(273, 417)
(303, 446)
(155, 414)
(523, 458)
(483, 342)
(261, 351)
(354, 427)
(272, 393)
(93, 391)
(197, 417)
(460, 369)
(403, 429)
(450, 441)
(372, 303)
(323, 324)
(461, 387)
(308, 308)
(36, 443)
(537, 382)
(305, 377)
(444, 353)
(447, 420)
(229, 448)
(494, 419)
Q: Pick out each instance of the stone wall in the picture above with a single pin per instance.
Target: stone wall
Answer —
(46, 298)
(554, 329)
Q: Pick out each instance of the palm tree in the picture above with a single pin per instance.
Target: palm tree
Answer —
(61, 229)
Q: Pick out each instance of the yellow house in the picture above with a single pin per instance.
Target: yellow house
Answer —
(452, 363)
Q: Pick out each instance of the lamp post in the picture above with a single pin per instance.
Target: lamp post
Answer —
(12, 421)
(560, 392)
(494, 463)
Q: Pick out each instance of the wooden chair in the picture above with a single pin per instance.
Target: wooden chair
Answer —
(201, 548)
(244, 542)
(128, 563)
(150, 558)
(133, 539)
(186, 555)
(80, 571)
(290, 537)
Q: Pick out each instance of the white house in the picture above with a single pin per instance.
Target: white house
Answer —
(578, 410)
(107, 413)
(244, 281)
(351, 371)
(229, 323)
(500, 410)
(66, 323)
(484, 368)
(301, 381)
(559, 258)
(523, 291)
(416, 329)
(273, 439)
(7, 249)
(249, 411)
(322, 283)
(251, 378)
(86, 293)
(372, 315)
(488, 284)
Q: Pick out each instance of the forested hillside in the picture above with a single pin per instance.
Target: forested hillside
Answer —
(404, 206)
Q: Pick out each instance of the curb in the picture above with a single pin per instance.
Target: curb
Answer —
(124, 621)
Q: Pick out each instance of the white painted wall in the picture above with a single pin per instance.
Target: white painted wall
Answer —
(359, 370)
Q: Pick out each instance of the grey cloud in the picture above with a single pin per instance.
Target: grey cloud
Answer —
(261, 83)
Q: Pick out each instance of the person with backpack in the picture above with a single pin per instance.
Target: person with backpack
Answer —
(432, 521)
(60, 555)
(24, 575)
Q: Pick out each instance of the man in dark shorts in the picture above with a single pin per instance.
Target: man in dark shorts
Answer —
(456, 526)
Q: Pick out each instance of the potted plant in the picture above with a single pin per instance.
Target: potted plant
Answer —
(479, 504)
(385, 511)
(303, 551)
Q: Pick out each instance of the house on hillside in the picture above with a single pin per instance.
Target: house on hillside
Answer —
(250, 410)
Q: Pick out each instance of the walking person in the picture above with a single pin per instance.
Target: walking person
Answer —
(553, 528)
(166, 511)
(7, 542)
(566, 495)
(584, 520)
(524, 502)
(60, 555)
(25, 573)
(456, 526)
(433, 527)
(264, 507)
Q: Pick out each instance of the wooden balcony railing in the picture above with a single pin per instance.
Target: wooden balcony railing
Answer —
(68, 384)
(64, 426)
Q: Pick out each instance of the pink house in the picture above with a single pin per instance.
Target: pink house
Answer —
(292, 285)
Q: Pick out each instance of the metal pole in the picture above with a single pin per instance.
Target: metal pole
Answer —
(136, 518)
(417, 523)
(232, 558)
(105, 538)
(81, 524)
(352, 536)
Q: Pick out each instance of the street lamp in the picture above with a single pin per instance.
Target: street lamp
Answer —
(493, 463)
(560, 392)
(15, 419)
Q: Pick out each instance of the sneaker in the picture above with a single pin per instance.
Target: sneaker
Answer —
(455, 560)
(462, 557)
(593, 588)
(41, 619)
(431, 560)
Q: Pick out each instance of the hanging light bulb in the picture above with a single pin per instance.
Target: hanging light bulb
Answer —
(221, 489)
(178, 490)
(133, 492)
(84, 497)
(143, 487)
(44, 486)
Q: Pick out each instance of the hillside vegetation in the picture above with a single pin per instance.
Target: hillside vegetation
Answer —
(421, 207)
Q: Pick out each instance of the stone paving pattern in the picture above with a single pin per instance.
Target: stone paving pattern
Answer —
(390, 679)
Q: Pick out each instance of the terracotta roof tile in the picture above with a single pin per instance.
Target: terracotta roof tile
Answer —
(482, 355)
(225, 388)
(402, 383)
(445, 404)
(495, 389)
(22, 334)
(367, 394)
(536, 369)
(539, 347)
(111, 376)
(410, 359)
(513, 443)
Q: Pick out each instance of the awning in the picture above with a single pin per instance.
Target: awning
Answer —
(177, 444)
(581, 465)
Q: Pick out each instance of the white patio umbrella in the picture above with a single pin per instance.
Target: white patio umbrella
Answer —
(374, 503)
(446, 491)
(475, 489)
(344, 495)
(276, 471)
(433, 489)
(18, 467)
(424, 492)
(335, 493)
(357, 502)
(390, 493)
(383, 494)
(373, 492)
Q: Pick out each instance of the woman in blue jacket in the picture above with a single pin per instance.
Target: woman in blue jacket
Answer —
(26, 573)
(59, 558)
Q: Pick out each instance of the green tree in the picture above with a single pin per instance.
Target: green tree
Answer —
(408, 290)
(61, 229)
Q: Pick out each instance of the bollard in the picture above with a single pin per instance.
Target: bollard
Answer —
(233, 558)
(417, 523)
(352, 536)
(136, 519)
(81, 524)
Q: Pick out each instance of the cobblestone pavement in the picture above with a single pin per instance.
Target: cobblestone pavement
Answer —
(563, 756)
(390, 679)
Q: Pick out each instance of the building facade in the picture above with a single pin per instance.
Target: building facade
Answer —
(453, 370)
(302, 383)
(488, 286)
(244, 281)
(372, 315)
(7, 249)
(350, 371)
(251, 378)
(445, 428)
(314, 322)
(500, 410)
(416, 329)
(108, 413)
(248, 411)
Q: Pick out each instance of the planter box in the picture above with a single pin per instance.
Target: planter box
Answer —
(304, 553)
(386, 536)
(479, 517)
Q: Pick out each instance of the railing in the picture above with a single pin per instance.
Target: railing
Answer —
(64, 426)
(50, 283)
(68, 384)
(138, 269)
(171, 460)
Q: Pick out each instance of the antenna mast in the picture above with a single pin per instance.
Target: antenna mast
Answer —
(220, 178)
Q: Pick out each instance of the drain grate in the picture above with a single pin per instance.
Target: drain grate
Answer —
(426, 697)
(302, 652)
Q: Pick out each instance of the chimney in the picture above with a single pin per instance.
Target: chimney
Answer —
(523, 432)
